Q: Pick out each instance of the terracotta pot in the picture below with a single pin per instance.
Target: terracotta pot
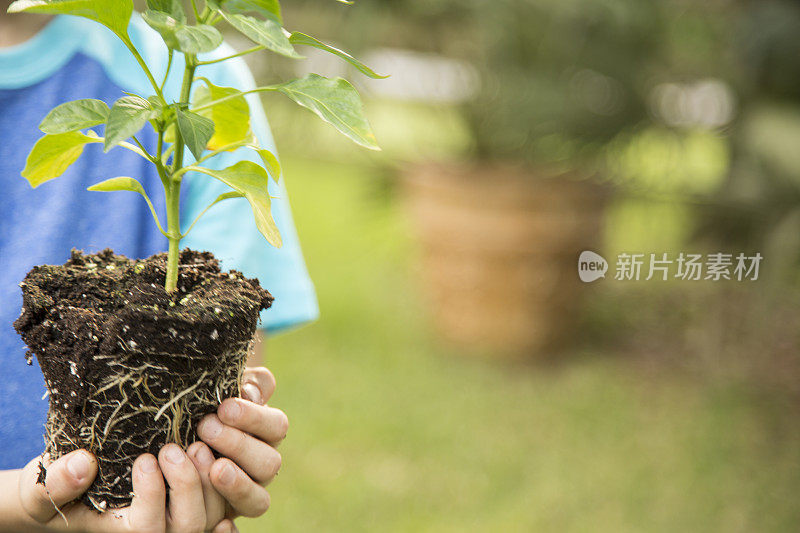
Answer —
(500, 247)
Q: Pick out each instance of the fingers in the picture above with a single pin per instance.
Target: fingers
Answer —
(187, 512)
(258, 384)
(226, 526)
(147, 511)
(202, 458)
(266, 423)
(243, 494)
(256, 457)
(66, 479)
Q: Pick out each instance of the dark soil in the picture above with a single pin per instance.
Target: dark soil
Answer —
(128, 366)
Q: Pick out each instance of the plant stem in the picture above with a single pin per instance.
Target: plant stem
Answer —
(169, 67)
(145, 153)
(159, 159)
(239, 54)
(226, 148)
(136, 150)
(146, 70)
(173, 195)
(209, 105)
(166, 154)
(186, 90)
(172, 190)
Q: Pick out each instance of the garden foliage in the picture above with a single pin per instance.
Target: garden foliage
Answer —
(207, 119)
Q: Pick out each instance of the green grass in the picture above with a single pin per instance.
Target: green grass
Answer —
(391, 432)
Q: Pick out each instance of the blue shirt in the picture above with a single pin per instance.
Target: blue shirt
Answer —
(70, 59)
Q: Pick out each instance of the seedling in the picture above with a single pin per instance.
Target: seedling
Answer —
(209, 120)
(129, 367)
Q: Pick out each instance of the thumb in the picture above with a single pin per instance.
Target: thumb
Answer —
(66, 479)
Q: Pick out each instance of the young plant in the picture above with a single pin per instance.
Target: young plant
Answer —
(214, 121)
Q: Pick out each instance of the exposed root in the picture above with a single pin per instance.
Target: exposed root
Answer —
(61, 514)
(180, 395)
(128, 366)
(123, 418)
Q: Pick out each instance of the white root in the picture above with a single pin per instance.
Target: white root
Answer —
(180, 395)
(115, 413)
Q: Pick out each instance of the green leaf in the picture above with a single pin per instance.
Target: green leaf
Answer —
(267, 33)
(270, 9)
(114, 14)
(119, 184)
(155, 103)
(271, 162)
(128, 115)
(53, 154)
(335, 101)
(169, 134)
(199, 39)
(75, 115)
(178, 36)
(220, 198)
(126, 184)
(251, 180)
(196, 131)
(165, 25)
(301, 38)
(173, 8)
(231, 118)
(225, 196)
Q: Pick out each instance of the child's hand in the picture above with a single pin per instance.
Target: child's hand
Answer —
(70, 476)
(205, 494)
(247, 431)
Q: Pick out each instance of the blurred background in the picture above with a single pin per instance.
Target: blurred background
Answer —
(462, 378)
